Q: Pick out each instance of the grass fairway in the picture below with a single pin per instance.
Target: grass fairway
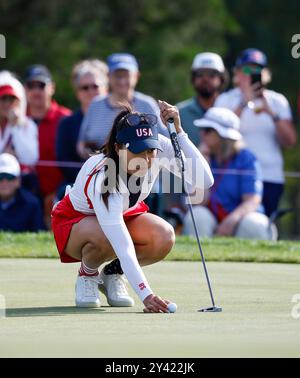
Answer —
(256, 298)
(42, 245)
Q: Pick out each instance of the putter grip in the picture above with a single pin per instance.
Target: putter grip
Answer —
(171, 126)
(175, 142)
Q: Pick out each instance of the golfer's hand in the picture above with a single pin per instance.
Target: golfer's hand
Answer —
(155, 304)
(168, 111)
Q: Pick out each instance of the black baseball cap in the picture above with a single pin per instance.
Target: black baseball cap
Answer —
(139, 138)
(39, 73)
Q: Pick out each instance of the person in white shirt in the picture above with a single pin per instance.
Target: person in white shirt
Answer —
(266, 121)
(104, 218)
(18, 133)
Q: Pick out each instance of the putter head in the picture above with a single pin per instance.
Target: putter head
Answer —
(211, 309)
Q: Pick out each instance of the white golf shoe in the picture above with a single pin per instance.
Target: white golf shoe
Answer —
(114, 288)
(87, 292)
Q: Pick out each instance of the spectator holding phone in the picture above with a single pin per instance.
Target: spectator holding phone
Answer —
(266, 121)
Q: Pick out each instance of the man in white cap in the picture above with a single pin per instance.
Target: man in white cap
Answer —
(234, 204)
(208, 77)
(20, 211)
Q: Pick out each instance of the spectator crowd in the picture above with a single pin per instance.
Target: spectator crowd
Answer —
(242, 133)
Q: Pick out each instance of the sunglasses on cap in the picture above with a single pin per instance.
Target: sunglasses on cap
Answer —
(36, 85)
(139, 119)
(86, 88)
(7, 176)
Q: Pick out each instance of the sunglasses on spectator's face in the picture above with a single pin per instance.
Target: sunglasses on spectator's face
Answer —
(206, 73)
(7, 98)
(86, 88)
(7, 176)
(250, 70)
(140, 119)
(31, 85)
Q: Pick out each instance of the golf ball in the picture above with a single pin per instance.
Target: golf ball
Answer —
(172, 307)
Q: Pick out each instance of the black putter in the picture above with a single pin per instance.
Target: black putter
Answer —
(180, 162)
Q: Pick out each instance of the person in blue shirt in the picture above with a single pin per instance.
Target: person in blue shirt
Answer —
(234, 205)
(20, 210)
(89, 80)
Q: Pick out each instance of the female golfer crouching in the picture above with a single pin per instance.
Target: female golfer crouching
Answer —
(103, 219)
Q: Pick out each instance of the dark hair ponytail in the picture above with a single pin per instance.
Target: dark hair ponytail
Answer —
(109, 151)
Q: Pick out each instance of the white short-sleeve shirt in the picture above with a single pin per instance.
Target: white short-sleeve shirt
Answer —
(259, 130)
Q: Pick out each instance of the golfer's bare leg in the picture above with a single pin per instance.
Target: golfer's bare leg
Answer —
(152, 236)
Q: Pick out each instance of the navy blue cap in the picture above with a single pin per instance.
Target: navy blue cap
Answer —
(38, 73)
(252, 56)
(139, 138)
(122, 61)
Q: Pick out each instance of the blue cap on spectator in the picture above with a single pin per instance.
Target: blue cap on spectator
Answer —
(252, 56)
(122, 61)
(38, 73)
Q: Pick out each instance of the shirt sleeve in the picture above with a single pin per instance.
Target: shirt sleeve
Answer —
(223, 101)
(85, 124)
(282, 108)
(251, 182)
(113, 225)
(197, 171)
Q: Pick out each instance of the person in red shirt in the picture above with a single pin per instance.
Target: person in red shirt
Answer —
(47, 114)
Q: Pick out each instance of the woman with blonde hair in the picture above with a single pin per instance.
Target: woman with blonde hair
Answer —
(18, 133)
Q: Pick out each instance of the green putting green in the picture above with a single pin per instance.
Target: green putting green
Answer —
(41, 319)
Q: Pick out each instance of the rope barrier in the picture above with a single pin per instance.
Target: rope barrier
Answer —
(232, 172)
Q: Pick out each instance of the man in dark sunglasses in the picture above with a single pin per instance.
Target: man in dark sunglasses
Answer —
(40, 89)
(208, 77)
(20, 211)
